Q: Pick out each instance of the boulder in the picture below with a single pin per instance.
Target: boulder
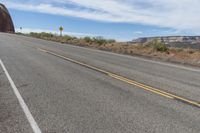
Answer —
(6, 23)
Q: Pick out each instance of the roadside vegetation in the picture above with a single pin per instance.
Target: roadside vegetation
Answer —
(158, 46)
(154, 49)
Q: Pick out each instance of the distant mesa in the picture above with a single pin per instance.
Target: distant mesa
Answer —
(173, 41)
(6, 23)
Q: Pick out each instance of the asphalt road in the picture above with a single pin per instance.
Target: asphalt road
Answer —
(66, 97)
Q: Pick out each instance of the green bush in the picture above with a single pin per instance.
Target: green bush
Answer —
(88, 39)
(95, 40)
(67, 38)
(158, 46)
(41, 35)
(111, 41)
(100, 40)
(34, 34)
(48, 35)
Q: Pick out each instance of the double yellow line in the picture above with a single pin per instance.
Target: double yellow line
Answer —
(126, 80)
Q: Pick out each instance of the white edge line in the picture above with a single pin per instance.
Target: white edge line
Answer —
(27, 112)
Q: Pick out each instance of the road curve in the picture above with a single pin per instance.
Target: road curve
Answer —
(65, 96)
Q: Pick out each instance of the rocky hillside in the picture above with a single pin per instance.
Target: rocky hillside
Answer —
(174, 41)
(6, 23)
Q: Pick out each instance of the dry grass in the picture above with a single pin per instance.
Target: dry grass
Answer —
(186, 56)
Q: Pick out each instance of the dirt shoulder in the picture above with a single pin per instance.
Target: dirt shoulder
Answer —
(151, 51)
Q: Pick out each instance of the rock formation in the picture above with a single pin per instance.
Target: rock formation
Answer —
(6, 23)
(173, 41)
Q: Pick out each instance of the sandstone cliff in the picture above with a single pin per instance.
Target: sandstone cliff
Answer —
(6, 23)
(174, 41)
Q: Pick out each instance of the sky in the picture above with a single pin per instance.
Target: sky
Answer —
(122, 20)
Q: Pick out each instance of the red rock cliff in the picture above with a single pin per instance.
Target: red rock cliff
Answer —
(6, 23)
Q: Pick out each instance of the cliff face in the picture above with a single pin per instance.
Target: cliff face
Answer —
(174, 41)
(6, 23)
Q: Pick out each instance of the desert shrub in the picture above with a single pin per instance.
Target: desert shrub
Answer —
(95, 40)
(111, 41)
(41, 35)
(178, 49)
(67, 38)
(74, 38)
(100, 40)
(190, 51)
(88, 39)
(34, 34)
(47, 35)
(158, 45)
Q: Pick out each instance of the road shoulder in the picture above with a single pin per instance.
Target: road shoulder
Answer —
(12, 118)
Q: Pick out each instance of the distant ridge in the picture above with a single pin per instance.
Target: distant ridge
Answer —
(173, 41)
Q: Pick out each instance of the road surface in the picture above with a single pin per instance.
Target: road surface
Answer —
(57, 88)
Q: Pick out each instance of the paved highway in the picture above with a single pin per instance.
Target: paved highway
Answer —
(57, 88)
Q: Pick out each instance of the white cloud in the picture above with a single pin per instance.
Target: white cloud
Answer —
(138, 32)
(179, 15)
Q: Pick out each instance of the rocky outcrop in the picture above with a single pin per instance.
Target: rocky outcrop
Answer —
(174, 41)
(6, 23)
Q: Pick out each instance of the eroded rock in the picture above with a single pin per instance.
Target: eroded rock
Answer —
(6, 23)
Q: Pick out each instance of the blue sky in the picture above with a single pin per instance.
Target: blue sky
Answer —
(118, 19)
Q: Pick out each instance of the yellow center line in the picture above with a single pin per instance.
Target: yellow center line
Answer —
(166, 94)
(140, 86)
(124, 79)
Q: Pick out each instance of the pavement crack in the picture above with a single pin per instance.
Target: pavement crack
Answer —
(22, 85)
